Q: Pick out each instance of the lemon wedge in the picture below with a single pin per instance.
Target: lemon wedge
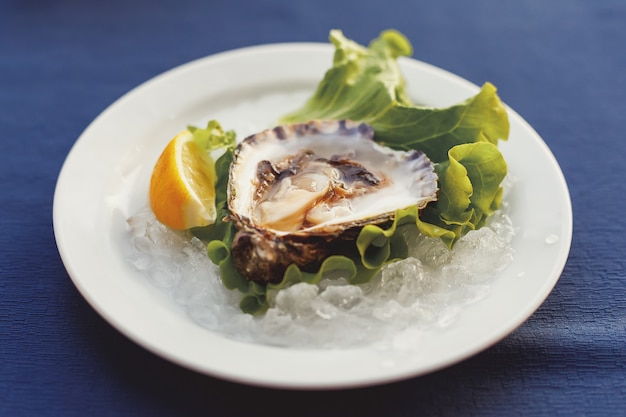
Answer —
(182, 186)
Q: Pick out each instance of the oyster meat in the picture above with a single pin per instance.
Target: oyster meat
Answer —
(298, 192)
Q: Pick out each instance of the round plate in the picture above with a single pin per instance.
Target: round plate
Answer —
(104, 181)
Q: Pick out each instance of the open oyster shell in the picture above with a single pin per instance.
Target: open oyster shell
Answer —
(298, 192)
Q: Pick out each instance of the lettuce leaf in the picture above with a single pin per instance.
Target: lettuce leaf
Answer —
(213, 137)
(366, 84)
(362, 82)
(469, 191)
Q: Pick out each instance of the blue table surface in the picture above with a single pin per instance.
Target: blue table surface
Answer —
(561, 64)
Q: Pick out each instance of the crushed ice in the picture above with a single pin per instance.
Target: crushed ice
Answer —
(428, 289)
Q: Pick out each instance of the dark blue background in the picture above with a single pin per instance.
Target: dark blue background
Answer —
(560, 64)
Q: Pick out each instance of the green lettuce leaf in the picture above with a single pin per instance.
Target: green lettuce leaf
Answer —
(366, 84)
(213, 137)
(469, 192)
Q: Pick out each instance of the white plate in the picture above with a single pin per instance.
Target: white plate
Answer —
(104, 181)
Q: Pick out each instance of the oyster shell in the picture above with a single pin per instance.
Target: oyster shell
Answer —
(297, 192)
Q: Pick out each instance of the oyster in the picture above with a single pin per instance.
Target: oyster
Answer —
(298, 192)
